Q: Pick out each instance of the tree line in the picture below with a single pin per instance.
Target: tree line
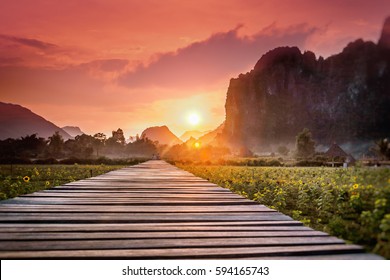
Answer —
(82, 146)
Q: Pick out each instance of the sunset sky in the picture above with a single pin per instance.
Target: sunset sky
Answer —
(108, 64)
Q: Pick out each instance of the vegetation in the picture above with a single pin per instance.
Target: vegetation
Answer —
(84, 147)
(195, 151)
(305, 144)
(353, 204)
(22, 179)
(382, 149)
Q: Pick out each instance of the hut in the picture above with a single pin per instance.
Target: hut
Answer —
(338, 156)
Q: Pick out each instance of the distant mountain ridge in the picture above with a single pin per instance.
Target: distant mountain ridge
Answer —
(17, 121)
(73, 130)
(162, 134)
(344, 98)
(192, 133)
(210, 138)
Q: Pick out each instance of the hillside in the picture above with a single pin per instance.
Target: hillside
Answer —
(73, 130)
(191, 133)
(17, 121)
(162, 134)
(344, 98)
(210, 137)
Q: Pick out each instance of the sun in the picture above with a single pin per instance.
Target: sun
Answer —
(194, 118)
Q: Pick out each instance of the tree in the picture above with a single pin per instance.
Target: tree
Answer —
(283, 150)
(81, 146)
(142, 147)
(100, 140)
(56, 144)
(115, 145)
(31, 145)
(382, 148)
(305, 144)
(119, 136)
(85, 143)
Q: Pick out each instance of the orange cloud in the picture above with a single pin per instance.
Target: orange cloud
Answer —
(217, 58)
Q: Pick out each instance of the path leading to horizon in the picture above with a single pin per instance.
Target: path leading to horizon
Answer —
(156, 211)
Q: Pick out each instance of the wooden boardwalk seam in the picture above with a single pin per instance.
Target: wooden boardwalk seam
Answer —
(156, 211)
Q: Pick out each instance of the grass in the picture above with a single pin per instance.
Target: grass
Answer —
(23, 179)
(353, 203)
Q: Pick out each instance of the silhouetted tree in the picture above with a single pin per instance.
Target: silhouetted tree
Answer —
(283, 150)
(382, 148)
(119, 136)
(142, 147)
(81, 146)
(100, 140)
(56, 144)
(9, 148)
(31, 145)
(305, 144)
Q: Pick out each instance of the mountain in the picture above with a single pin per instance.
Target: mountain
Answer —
(344, 98)
(162, 134)
(17, 121)
(210, 137)
(192, 133)
(384, 40)
(73, 130)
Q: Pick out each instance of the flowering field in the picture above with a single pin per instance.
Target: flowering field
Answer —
(22, 179)
(353, 203)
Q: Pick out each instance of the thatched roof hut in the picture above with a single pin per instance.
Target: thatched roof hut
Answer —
(336, 153)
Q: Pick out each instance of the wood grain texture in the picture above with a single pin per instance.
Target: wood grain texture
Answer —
(156, 211)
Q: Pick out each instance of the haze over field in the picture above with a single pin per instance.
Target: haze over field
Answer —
(101, 65)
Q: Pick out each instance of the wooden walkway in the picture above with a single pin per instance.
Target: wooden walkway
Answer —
(156, 211)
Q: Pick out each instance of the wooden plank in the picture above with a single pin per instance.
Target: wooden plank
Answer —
(137, 190)
(139, 217)
(192, 253)
(30, 208)
(165, 243)
(154, 235)
(260, 226)
(132, 195)
(63, 201)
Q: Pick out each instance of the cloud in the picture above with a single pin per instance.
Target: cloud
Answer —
(8, 61)
(34, 43)
(217, 58)
(107, 65)
(105, 69)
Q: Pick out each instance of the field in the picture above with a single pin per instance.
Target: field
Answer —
(22, 179)
(353, 203)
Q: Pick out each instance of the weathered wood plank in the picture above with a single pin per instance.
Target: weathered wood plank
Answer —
(140, 217)
(134, 201)
(191, 253)
(166, 243)
(259, 226)
(154, 235)
(31, 208)
(131, 195)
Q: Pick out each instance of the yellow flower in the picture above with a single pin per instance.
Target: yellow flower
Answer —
(26, 179)
(47, 183)
(355, 186)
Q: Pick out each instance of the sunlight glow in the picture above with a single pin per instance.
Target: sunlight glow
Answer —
(194, 119)
(197, 145)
